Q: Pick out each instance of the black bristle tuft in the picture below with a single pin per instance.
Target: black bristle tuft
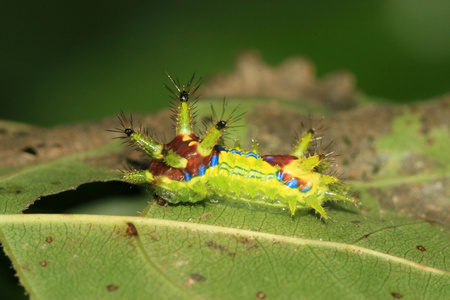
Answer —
(183, 92)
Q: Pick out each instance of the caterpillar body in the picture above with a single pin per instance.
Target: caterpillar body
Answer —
(192, 169)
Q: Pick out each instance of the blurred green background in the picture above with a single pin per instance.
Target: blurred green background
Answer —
(65, 62)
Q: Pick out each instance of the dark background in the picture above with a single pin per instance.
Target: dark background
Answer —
(65, 61)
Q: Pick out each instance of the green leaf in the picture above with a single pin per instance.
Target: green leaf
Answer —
(21, 187)
(93, 257)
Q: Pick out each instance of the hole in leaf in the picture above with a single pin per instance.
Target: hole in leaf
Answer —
(30, 150)
(112, 198)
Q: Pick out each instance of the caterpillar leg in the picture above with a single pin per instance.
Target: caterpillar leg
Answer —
(171, 190)
(292, 205)
(143, 176)
(310, 201)
(313, 202)
(175, 191)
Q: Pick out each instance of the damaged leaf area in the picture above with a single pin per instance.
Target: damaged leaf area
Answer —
(37, 162)
(393, 246)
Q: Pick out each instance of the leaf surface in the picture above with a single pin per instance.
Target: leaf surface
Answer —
(129, 257)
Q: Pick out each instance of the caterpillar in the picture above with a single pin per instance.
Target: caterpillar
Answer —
(192, 168)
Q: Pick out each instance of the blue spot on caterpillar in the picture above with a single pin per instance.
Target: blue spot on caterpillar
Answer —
(292, 183)
(201, 171)
(188, 176)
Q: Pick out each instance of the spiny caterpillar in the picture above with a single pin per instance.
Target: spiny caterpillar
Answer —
(192, 169)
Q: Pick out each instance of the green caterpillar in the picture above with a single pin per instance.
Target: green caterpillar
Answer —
(192, 169)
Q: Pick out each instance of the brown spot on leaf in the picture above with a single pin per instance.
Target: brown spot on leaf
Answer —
(384, 228)
(248, 241)
(260, 295)
(112, 287)
(421, 248)
(195, 277)
(397, 295)
(49, 239)
(198, 277)
(243, 240)
(213, 245)
(189, 282)
(131, 230)
(43, 263)
(56, 182)
(205, 216)
(365, 236)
